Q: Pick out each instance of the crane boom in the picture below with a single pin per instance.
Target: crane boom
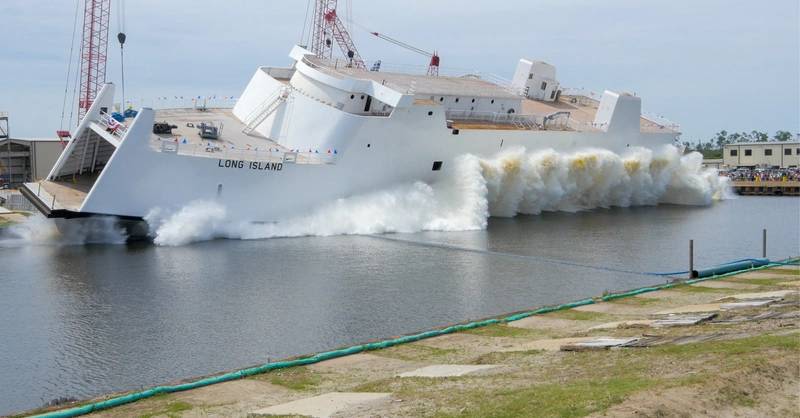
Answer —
(403, 44)
(433, 66)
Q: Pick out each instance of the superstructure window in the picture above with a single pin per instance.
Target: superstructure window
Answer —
(530, 76)
(456, 99)
(473, 100)
(430, 113)
(748, 152)
(352, 96)
(437, 165)
(441, 99)
(767, 152)
(787, 151)
(734, 152)
(544, 85)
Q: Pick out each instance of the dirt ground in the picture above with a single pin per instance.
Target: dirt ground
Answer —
(742, 362)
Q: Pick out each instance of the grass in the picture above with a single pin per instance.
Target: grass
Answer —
(703, 289)
(498, 357)
(571, 399)
(790, 272)
(173, 409)
(295, 378)
(502, 330)
(414, 352)
(757, 344)
(581, 315)
(764, 281)
(636, 300)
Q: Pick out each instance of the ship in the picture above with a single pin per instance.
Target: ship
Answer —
(324, 128)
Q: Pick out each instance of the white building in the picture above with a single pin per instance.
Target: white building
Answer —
(762, 154)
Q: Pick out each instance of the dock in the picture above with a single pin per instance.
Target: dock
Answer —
(766, 188)
(728, 345)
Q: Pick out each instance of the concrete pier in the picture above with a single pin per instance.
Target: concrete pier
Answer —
(767, 188)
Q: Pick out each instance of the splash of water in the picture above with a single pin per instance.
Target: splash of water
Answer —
(513, 182)
(38, 230)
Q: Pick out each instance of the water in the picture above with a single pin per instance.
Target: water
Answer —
(81, 320)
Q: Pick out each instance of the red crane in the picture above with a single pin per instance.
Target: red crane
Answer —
(433, 66)
(327, 28)
(94, 49)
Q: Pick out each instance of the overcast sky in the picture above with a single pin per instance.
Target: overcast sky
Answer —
(709, 65)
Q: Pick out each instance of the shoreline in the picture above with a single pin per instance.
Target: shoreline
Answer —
(310, 379)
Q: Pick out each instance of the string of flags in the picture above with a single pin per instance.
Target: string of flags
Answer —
(185, 141)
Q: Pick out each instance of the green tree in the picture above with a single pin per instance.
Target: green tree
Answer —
(759, 136)
(783, 136)
(721, 138)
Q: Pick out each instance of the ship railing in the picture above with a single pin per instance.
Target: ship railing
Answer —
(591, 98)
(346, 68)
(661, 122)
(112, 125)
(267, 154)
(521, 120)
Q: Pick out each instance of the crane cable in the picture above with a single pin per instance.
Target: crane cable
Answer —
(70, 57)
(305, 22)
(121, 38)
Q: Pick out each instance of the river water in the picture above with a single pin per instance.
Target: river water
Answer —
(82, 320)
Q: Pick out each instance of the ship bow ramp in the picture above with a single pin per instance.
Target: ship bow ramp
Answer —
(85, 159)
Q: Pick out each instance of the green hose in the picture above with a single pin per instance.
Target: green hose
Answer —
(158, 390)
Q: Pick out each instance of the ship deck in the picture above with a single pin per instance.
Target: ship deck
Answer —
(421, 85)
(582, 111)
(231, 138)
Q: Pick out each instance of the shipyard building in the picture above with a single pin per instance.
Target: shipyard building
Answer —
(25, 159)
(762, 154)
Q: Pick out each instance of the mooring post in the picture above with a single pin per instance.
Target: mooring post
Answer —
(691, 258)
(764, 243)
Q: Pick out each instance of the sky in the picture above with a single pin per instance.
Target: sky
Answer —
(708, 65)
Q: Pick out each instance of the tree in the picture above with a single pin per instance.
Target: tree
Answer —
(783, 136)
(721, 138)
(759, 136)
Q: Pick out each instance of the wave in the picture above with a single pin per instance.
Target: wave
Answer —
(513, 182)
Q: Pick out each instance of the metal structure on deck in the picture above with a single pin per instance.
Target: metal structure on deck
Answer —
(433, 65)
(94, 51)
(328, 28)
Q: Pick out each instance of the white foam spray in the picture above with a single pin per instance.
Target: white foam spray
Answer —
(38, 230)
(513, 182)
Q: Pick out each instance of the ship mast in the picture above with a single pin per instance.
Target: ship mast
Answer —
(327, 28)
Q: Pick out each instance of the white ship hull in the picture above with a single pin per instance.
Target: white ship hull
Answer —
(310, 149)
